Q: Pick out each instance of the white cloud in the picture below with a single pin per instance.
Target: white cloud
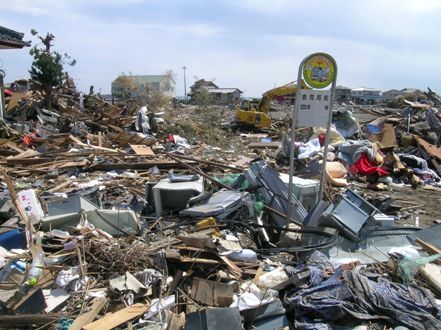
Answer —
(251, 44)
(264, 6)
(39, 8)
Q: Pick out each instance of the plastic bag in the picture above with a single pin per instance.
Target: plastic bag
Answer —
(408, 267)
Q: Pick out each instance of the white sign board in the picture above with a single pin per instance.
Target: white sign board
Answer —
(29, 202)
(313, 108)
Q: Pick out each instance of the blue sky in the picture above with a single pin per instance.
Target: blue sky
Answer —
(249, 44)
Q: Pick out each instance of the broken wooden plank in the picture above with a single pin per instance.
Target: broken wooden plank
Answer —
(432, 273)
(21, 211)
(236, 271)
(263, 145)
(142, 150)
(32, 303)
(14, 147)
(140, 166)
(428, 247)
(88, 317)
(14, 101)
(14, 321)
(100, 139)
(430, 149)
(389, 138)
(28, 161)
(25, 154)
(112, 320)
(60, 186)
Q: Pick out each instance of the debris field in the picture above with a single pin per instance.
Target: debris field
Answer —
(118, 216)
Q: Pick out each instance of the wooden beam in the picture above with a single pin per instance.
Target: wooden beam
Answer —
(112, 320)
(19, 207)
(428, 247)
(88, 317)
(139, 166)
(14, 321)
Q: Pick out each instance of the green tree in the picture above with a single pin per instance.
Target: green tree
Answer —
(47, 66)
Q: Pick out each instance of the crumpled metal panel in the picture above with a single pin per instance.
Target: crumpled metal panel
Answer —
(220, 204)
(275, 192)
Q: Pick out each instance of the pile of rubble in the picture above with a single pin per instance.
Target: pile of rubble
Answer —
(119, 217)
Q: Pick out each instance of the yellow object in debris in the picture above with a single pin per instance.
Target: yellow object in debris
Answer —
(209, 223)
(259, 117)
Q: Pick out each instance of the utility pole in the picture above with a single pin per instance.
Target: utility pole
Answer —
(185, 84)
(2, 94)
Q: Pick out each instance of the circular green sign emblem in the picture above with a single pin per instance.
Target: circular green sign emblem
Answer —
(318, 71)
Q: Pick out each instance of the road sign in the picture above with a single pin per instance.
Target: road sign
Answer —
(313, 107)
(319, 70)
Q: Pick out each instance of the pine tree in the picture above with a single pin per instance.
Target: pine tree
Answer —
(47, 67)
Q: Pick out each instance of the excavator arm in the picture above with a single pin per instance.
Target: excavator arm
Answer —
(267, 97)
(259, 117)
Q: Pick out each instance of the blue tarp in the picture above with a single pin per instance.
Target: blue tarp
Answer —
(360, 297)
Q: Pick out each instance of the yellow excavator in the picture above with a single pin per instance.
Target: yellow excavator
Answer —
(258, 117)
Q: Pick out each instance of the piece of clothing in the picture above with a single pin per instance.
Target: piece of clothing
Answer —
(309, 149)
(350, 150)
(363, 166)
(420, 167)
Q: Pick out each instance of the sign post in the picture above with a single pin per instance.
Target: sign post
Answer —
(313, 108)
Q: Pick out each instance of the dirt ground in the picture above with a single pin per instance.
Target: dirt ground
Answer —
(422, 202)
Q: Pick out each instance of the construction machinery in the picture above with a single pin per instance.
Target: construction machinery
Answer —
(258, 117)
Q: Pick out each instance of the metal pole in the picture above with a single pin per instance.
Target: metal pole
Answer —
(185, 83)
(2, 94)
(293, 136)
(325, 151)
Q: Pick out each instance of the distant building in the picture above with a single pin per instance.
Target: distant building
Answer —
(138, 85)
(406, 93)
(10, 39)
(391, 94)
(221, 96)
(364, 95)
(342, 94)
(225, 96)
(199, 84)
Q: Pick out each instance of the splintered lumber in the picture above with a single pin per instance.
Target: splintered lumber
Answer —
(142, 150)
(236, 271)
(14, 321)
(211, 163)
(88, 317)
(28, 161)
(432, 273)
(118, 318)
(429, 149)
(428, 247)
(19, 207)
(261, 145)
(139, 166)
(124, 138)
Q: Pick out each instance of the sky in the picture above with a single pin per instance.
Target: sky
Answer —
(253, 45)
